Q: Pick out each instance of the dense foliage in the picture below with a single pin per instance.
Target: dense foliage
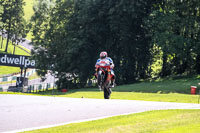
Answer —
(139, 35)
(69, 35)
(175, 27)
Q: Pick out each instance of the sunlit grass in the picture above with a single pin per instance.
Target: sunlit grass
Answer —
(18, 51)
(8, 70)
(165, 121)
(176, 84)
(28, 9)
(171, 97)
(28, 13)
(168, 90)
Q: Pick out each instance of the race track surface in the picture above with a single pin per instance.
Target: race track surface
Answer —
(23, 112)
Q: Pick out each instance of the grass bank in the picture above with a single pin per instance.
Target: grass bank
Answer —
(28, 9)
(28, 13)
(173, 89)
(95, 93)
(174, 121)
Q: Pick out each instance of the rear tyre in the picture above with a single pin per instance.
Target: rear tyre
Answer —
(106, 94)
(107, 90)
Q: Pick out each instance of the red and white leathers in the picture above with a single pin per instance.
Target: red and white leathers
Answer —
(107, 60)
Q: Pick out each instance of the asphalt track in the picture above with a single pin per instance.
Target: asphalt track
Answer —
(23, 112)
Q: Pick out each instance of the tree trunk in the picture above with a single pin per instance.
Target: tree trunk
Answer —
(197, 66)
(14, 47)
(8, 38)
(2, 41)
(164, 71)
(1, 38)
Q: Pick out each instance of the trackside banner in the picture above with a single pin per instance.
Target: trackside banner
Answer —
(16, 61)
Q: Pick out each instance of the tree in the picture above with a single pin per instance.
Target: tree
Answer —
(2, 22)
(174, 26)
(12, 16)
(19, 33)
(39, 25)
(69, 38)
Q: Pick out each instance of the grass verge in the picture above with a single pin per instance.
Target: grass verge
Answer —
(163, 91)
(165, 121)
(176, 89)
(95, 93)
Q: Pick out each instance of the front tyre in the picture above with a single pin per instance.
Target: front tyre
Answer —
(100, 78)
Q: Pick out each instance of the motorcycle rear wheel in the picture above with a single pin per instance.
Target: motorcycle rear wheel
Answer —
(106, 93)
(107, 90)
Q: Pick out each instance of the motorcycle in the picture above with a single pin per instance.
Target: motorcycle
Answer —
(104, 77)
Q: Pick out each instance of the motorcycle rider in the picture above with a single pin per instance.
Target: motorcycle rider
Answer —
(104, 57)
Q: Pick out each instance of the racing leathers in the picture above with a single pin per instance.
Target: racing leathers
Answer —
(109, 61)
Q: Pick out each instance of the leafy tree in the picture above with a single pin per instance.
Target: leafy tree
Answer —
(39, 25)
(174, 27)
(70, 34)
(19, 33)
(11, 17)
(2, 22)
(69, 38)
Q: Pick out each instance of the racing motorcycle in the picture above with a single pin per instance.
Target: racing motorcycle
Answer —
(104, 77)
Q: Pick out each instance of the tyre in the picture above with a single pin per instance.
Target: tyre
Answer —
(106, 94)
(100, 79)
(107, 90)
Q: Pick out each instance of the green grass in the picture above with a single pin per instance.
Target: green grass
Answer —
(176, 89)
(94, 93)
(171, 97)
(165, 121)
(28, 13)
(8, 70)
(176, 84)
(28, 9)
(18, 51)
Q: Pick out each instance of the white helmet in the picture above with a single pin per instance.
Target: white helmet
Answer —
(103, 54)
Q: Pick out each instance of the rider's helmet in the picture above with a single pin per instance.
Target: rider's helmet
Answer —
(103, 55)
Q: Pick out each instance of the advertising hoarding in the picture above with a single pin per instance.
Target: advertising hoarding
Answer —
(16, 61)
